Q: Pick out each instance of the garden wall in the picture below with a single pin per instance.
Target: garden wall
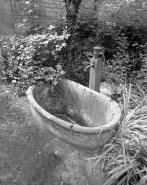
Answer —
(6, 18)
(12, 13)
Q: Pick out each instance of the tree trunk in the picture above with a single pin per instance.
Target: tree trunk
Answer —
(72, 7)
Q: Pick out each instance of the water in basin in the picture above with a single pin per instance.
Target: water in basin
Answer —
(66, 118)
(75, 104)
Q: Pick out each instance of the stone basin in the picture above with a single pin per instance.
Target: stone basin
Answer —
(75, 114)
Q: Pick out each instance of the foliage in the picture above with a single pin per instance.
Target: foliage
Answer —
(124, 12)
(125, 157)
(31, 16)
(125, 52)
(128, 62)
(77, 54)
(33, 59)
(124, 37)
(72, 7)
(124, 44)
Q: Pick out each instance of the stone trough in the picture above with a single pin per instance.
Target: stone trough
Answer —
(75, 114)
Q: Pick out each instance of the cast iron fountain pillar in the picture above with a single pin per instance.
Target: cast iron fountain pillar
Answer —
(96, 68)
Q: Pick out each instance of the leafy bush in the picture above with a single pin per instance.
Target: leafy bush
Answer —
(78, 53)
(127, 63)
(125, 52)
(124, 12)
(34, 58)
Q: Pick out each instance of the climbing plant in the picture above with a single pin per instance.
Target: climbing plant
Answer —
(72, 7)
(31, 15)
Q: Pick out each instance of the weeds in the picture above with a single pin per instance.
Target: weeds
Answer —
(125, 157)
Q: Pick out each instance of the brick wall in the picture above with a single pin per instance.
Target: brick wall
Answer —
(6, 18)
(49, 12)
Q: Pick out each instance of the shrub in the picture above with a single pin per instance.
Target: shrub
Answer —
(127, 63)
(43, 47)
(77, 54)
(33, 59)
(124, 52)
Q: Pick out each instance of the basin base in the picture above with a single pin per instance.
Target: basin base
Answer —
(75, 168)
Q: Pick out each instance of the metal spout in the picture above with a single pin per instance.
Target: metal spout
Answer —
(88, 67)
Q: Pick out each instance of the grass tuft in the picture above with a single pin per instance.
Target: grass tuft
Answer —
(125, 157)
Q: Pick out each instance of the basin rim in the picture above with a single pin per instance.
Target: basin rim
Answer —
(77, 128)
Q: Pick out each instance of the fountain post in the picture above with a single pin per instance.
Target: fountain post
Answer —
(96, 68)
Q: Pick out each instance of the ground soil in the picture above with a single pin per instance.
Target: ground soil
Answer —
(29, 156)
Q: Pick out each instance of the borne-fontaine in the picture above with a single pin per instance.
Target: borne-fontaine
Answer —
(76, 114)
